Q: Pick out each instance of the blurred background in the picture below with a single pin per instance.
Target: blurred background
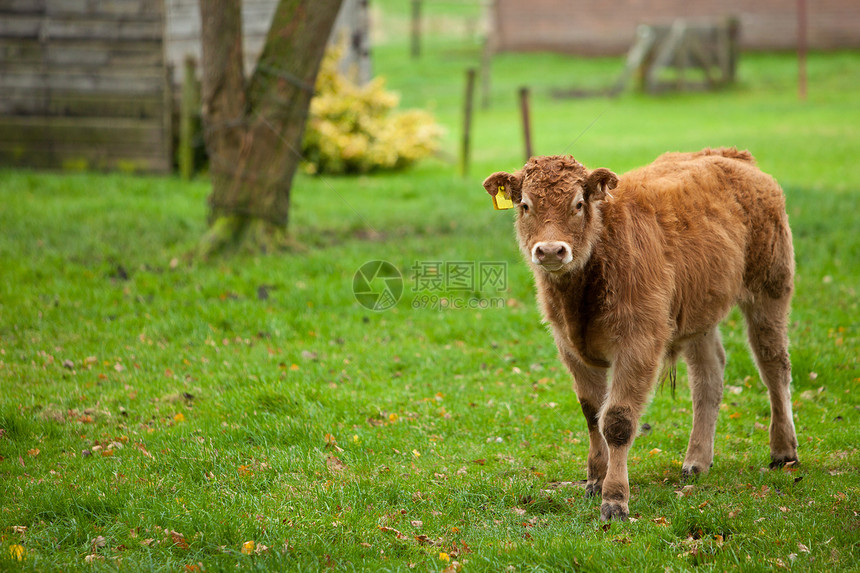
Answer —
(99, 85)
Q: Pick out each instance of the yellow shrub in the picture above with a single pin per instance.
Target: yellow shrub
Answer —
(357, 129)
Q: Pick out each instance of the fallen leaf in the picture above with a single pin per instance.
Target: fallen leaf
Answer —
(661, 521)
(396, 533)
(33, 453)
(803, 548)
(142, 449)
(417, 523)
(98, 543)
(248, 547)
(685, 491)
(180, 417)
(334, 464)
(17, 552)
(444, 556)
(179, 540)
(147, 542)
(735, 415)
(331, 442)
(655, 451)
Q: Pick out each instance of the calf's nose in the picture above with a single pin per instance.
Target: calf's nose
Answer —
(551, 253)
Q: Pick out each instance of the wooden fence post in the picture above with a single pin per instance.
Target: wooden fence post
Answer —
(467, 122)
(527, 131)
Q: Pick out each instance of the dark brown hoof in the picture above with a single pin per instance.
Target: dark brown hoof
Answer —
(593, 490)
(792, 462)
(690, 473)
(610, 511)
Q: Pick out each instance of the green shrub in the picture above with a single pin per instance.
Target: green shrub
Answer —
(357, 129)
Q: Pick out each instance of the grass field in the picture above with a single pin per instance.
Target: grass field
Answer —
(159, 413)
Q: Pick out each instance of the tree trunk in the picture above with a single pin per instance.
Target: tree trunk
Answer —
(253, 131)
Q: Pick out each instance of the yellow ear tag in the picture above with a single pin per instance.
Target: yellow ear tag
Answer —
(500, 201)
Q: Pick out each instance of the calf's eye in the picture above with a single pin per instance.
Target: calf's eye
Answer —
(524, 207)
(579, 205)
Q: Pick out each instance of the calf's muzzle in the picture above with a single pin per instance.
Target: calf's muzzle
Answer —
(552, 255)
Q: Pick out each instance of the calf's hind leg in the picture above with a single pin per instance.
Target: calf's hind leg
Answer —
(706, 360)
(767, 320)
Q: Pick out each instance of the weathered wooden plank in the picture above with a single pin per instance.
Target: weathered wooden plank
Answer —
(29, 53)
(87, 142)
(143, 27)
(116, 81)
(26, 51)
(78, 104)
(116, 149)
(21, 25)
(123, 8)
(83, 131)
(117, 30)
(22, 7)
(84, 160)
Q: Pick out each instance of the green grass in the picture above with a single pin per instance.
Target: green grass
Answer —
(232, 385)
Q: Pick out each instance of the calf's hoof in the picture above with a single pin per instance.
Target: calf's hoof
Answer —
(593, 490)
(690, 472)
(780, 461)
(613, 511)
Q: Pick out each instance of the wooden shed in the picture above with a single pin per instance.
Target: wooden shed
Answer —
(83, 85)
(91, 84)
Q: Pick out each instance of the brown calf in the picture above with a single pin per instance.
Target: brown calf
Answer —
(633, 271)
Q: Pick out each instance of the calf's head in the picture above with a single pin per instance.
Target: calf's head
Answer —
(558, 216)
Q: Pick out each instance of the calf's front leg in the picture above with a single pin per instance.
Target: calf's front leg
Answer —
(632, 380)
(590, 386)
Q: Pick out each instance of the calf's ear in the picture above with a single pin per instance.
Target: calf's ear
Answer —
(510, 184)
(599, 183)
